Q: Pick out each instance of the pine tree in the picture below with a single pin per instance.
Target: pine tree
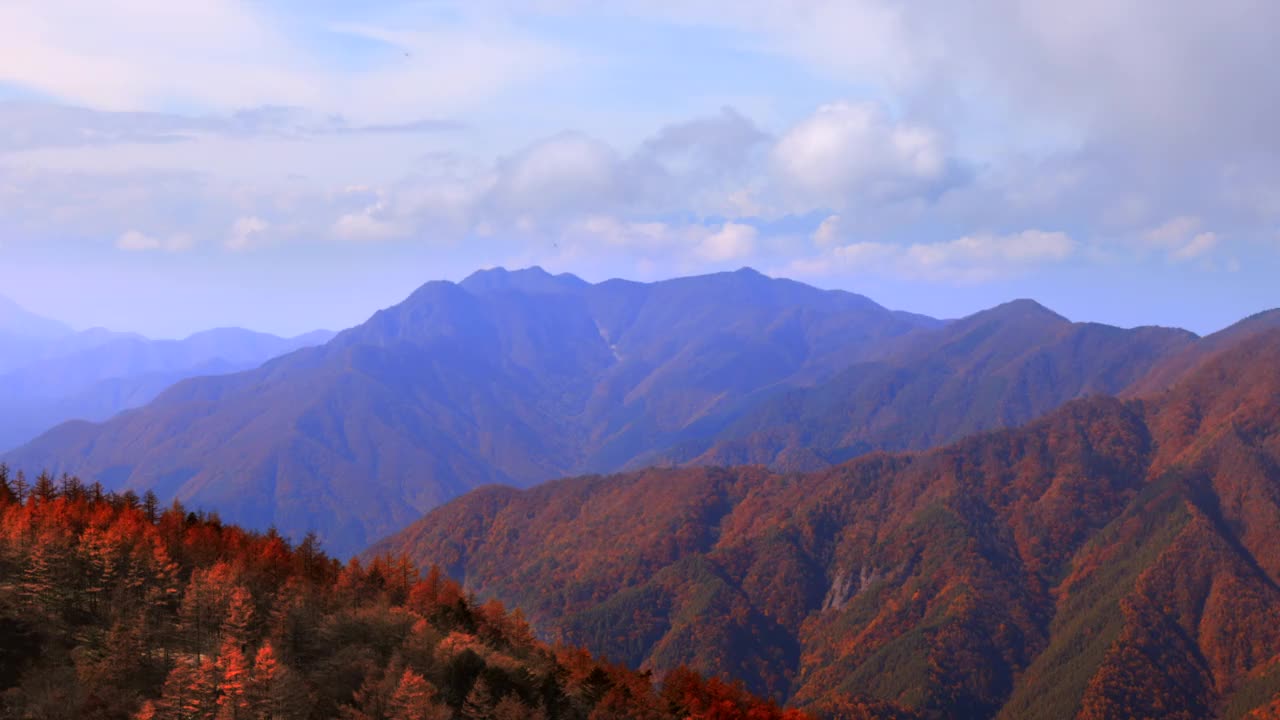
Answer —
(479, 702)
(201, 613)
(130, 499)
(415, 699)
(72, 487)
(374, 695)
(234, 681)
(38, 589)
(262, 681)
(151, 506)
(309, 557)
(239, 625)
(162, 582)
(20, 487)
(189, 692)
(275, 692)
(123, 655)
(511, 708)
(101, 575)
(7, 494)
(45, 490)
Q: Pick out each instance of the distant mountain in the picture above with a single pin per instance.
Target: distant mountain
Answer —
(17, 321)
(1112, 559)
(95, 374)
(510, 377)
(997, 368)
(24, 335)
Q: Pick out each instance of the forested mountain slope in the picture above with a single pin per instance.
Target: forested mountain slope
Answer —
(1113, 559)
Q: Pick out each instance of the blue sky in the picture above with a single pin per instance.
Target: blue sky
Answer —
(167, 167)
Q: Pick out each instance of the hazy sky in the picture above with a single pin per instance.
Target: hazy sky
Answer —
(170, 166)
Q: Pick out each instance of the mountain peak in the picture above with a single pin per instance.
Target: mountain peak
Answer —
(1023, 309)
(530, 279)
(18, 320)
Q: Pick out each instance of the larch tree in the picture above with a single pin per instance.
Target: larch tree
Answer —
(233, 683)
(415, 699)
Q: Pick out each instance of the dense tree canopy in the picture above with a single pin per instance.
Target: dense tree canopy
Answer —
(113, 608)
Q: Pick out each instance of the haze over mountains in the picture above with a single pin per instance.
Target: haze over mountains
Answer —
(1113, 559)
(520, 377)
(50, 374)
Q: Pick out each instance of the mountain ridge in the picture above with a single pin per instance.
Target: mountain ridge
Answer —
(454, 388)
(451, 389)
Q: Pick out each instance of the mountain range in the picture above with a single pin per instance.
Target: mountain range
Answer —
(521, 377)
(1115, 558)
(853, 510)
(50, 374)
(511, 377)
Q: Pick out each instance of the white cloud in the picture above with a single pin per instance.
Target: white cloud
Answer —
(974, 258)
(226, 55)
(609, 230)
(685, 245)
(733, 241)
(366, 225)
(1181, 238)
(560, 173)
(1197, 246)
(1129, 71)
(845, 150)
(828, 232)
(246, 232)
(135, 241)
(1172, 233)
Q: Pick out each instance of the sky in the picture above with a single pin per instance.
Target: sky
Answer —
(168, 167)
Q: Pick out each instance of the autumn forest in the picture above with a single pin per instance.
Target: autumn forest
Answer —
(113, 608)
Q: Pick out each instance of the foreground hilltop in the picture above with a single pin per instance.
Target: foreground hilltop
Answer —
(112, 609)
(1117, 558)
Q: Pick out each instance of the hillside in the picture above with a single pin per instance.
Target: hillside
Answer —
(111, 609)
(1113, 559)
(511, 377)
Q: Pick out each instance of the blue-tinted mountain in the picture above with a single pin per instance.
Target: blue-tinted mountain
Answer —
(93, 375)
(25, 335)
(997, 368)
(507, 377)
